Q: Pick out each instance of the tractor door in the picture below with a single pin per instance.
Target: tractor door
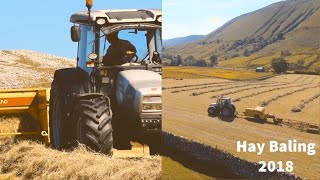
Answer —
(85, 47)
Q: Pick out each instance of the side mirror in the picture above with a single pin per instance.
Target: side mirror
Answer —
(75, 33)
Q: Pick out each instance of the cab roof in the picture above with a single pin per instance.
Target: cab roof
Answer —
(117, 16)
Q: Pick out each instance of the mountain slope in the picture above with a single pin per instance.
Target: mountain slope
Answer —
(180, 40)
(290, 26)
(27, 68)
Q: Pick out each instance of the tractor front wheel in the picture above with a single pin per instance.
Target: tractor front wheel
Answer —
(93, 124)
(212, 111)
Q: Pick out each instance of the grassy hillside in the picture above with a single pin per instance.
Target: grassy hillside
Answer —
(288, 28)
(27, 69)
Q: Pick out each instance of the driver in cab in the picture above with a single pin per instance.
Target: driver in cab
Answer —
(119, 52)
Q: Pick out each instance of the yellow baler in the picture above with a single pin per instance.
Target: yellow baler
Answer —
(34, 102)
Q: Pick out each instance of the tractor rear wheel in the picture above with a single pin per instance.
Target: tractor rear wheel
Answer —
(227, 111)
(93, 124)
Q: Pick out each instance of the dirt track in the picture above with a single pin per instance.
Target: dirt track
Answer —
(186, 115)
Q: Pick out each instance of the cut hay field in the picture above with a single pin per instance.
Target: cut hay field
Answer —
(25, 159)
(200, 72)
(185, 114)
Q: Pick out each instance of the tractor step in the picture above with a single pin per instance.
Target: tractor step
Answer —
(138, 150)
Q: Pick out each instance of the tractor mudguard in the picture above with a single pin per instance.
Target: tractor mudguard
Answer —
(67, 85)
(70, 77)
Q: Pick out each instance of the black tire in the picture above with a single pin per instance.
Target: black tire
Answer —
(233, 108)
(59, 136)
(155, 144)
(93, 124)
(212, 111)
(227, 111)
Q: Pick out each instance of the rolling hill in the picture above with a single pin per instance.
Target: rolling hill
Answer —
(288, 28)
(180, 40)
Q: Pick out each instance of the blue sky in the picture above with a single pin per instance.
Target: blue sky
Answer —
(189, 17)
(43, 25)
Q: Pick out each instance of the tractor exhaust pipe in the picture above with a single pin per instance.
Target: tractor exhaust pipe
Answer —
(89, 5)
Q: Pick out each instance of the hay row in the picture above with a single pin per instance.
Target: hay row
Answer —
(268, 101)
(314, 78)
(194, 85)
(244, 89)
(232, 87)
(266, 91)
(304, 102)
(297, 79)
(221, 85)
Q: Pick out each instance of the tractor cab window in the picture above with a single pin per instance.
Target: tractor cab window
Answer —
(144, 41)
(136, 38)
(223, 102)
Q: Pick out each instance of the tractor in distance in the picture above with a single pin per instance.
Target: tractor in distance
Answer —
(106, 107)
(222, 108)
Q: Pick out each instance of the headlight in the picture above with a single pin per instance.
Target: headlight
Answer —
(159, 19)
(152, 106)
(157, 69)
(101, 21)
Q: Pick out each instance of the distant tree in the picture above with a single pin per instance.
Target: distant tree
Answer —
(189, 60)
(174, 62)
(279, 65)
(299, 66)
(260, 39)
(317, 70)
(246, 53)
(165, 64)
(285, 53)
(167, 56)
(179, 60)
(213, 60)
(280, 36)
(201, 63)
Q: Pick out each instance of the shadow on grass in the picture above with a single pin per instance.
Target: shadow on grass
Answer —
(226, 119)
(214, 170)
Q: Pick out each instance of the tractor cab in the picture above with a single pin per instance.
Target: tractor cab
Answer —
(142, 28)
(223, 101)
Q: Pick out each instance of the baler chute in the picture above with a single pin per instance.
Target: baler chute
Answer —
(33, 102)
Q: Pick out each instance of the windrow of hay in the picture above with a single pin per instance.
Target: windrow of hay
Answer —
(195, 85)
(268, 101)
(221, 84)
(304, 102)
(266, 91)
(30, 160)
(246, 88)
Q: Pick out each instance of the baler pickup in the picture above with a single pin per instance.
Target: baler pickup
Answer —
(34, 102)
